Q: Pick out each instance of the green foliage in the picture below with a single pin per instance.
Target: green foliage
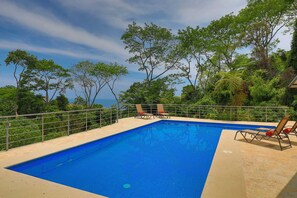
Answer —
(265, 92)
(159, 90)
(92, 77)
(293, 55)
(194, 50)
(30, 103)
(22, 62)
(152, 48)
(22, 131)
(260, 21)
(224, 34)
(47, 76)
(62, 102)
(229, 90)
(115, 71)
(79, 101)
(7, 100)
(206, 100)
(189, 95)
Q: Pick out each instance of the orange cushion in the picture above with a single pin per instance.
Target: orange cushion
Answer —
(287, 130)
(269, 133)
(161, 112)
(141, 112)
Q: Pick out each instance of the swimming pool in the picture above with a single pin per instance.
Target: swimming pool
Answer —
(163, 159)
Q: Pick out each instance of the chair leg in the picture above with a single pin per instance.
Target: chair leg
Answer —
(236, 135)
(279, 138)
(255, 137)
(244, 136)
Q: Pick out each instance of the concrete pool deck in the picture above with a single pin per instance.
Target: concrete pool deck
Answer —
(239, 169)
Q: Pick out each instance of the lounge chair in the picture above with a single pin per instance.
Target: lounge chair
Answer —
(287, 129)
(141, 113)
(161, 112)
(272, 133)
(291, 130)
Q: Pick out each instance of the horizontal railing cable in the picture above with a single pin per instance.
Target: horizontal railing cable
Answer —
(31, 128)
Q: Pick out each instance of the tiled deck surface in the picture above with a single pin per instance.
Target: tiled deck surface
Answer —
(239, 169)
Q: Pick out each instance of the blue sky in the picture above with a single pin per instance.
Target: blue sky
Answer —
(69, 31)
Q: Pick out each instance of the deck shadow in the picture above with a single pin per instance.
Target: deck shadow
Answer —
(271, 144)
(290, 190)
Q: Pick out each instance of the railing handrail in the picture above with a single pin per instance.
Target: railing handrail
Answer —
(54, 112)
(126, 104)
(274, 107)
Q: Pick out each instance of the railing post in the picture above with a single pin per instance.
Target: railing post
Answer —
(7, 134)
(249, 113)
(100, 118)
(42, 128)
(119, 113)
(110, 115)
(86, 119)
(128, 111)
(187, 111)
(230, 112)
(68, 124)
(266, 114)
(199, 111)
(117, 118)
(175, 109)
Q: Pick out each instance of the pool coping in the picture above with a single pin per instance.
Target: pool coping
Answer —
(227, 157)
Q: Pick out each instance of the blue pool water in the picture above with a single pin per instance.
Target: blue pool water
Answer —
(163, 159)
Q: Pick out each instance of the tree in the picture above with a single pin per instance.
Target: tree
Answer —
(7, 100)
(48, 77)
(90, 78)
(115, 72)
(189, 95)
(197, 65)
(224, 40)
(160, 91)
(152, 48)
(30, 103)
(229, 90)
(62, 102)
(265, 92)
(79, 101)
(293, 55)
(260, 22)
(22, 62)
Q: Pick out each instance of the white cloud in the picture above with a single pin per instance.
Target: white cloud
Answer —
(116, 13)
(58, 29)
(10, 45)
(194, 12)
(119, 13)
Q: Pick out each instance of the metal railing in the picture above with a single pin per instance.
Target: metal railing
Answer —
(216, 112)
(32, 128)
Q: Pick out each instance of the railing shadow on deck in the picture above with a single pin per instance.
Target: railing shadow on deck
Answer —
(290, 190)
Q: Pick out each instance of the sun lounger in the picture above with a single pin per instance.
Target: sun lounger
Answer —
(141, 113)
(161, 112)
(272, 133)
(287, 129)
